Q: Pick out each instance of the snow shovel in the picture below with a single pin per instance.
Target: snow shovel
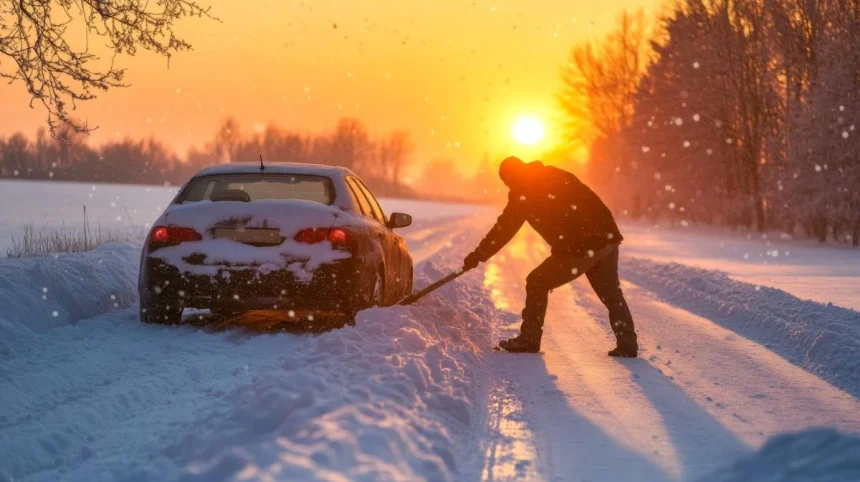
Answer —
(433, 287)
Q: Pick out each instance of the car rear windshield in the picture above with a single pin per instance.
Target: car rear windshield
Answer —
(257, 187)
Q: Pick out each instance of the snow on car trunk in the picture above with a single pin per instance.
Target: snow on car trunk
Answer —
(237, 235)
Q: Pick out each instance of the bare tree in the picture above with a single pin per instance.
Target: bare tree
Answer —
(350, 144)
(392, 154)
(35, 48)
(600, 79)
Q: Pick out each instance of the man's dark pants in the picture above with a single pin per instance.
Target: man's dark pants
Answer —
(558, 270)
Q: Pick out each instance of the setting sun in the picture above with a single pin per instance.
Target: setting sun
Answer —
(528, 131)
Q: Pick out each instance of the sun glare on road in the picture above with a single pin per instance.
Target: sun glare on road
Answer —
(528, 131)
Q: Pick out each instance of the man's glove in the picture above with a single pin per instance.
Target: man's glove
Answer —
(471, 261)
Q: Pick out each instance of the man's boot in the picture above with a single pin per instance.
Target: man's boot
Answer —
(627, 347)
(528, 341)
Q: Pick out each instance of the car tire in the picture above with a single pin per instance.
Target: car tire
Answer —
(160, 313)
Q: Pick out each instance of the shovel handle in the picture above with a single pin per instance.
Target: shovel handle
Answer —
(433, 287)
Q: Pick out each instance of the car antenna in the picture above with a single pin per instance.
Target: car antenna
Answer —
(262, 167)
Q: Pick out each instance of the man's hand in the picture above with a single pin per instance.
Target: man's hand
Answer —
(471, 261)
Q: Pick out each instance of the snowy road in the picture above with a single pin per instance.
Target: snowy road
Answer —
(699, 396)
(415, 393)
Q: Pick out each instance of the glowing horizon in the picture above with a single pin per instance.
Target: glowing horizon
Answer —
(454, 73)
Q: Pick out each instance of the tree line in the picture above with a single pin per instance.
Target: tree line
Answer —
(740, 113)
(66, 156)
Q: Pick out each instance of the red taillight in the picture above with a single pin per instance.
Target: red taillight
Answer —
(336, 236)
(159, 234)
(162, 236)
(180, 234)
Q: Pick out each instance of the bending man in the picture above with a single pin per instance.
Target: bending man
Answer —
(584, 240)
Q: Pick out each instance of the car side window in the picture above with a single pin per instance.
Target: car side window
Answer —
(354, 197)
(356, 194)
(377, 209)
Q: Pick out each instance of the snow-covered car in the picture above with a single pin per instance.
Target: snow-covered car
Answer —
(284, 236)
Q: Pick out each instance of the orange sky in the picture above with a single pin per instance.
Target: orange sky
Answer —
(456, 73)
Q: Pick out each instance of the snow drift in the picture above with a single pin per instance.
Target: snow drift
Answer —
(37, 294)
(390, 399)
(815, 455)
(822, 339)
(393, 398)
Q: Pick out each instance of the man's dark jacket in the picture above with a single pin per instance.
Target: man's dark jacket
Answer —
(563, 210)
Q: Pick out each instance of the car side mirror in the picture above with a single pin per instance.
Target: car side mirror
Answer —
(399, 220)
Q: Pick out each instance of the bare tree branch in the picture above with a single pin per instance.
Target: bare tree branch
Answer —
(35, 48)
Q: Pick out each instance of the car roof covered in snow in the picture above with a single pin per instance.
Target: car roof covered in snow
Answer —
(275, 168)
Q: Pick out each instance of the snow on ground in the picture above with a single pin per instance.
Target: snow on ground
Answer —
(108, 398)
(827, 273)
(731, 363)
(818, 455)
(37, 294)
(701, 396)
(822, 339)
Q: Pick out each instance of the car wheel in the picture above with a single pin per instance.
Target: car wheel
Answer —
(378, 290)
(159, 313)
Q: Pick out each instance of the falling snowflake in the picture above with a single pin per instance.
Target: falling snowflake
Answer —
(845, 134)
(695, 65)
(696, 117)
(686, 143)
(645, 148)
(678, 121)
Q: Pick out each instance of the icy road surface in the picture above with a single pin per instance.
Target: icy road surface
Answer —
(699, 396)
(89, 393)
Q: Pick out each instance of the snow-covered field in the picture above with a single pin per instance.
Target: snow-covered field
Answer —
(736, 373)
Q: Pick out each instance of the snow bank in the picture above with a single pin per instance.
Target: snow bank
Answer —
(390, 399)
(37, 294)
(816, 455)
(823, 339)
(393, 398)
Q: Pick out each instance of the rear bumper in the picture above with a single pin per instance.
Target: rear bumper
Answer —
(334, 287)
